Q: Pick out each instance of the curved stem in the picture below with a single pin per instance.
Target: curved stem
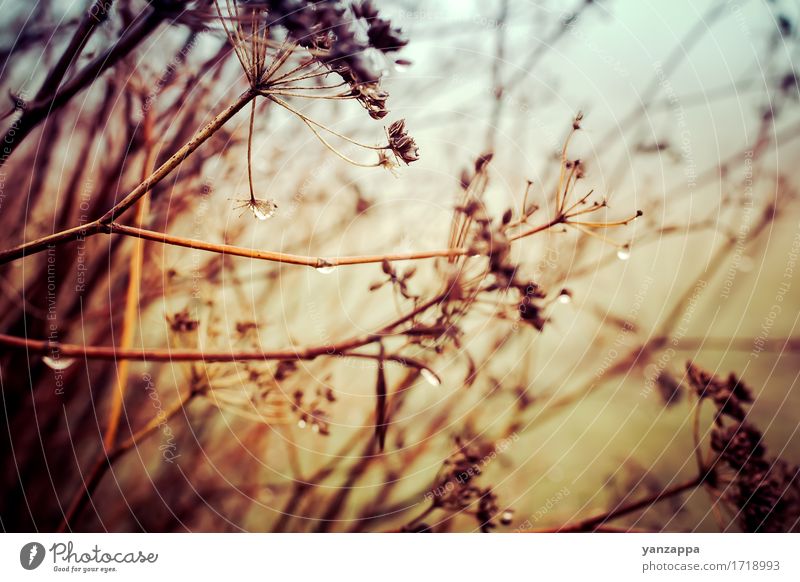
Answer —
(308, 120)
(334, 150)
(250, 149)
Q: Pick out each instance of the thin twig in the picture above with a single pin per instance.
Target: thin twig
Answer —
(99, 225)
(593, 523)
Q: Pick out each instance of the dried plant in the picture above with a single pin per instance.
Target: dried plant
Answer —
(292, 382)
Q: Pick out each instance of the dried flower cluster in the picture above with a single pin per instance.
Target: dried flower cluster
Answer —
(729, 395)
(402, 145)
(291, 51)
(455, 489)
(311, 412)
(764, 491)
(319, 39)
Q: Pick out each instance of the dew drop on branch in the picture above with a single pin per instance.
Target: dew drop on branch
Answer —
(57, 363)
(325, 268)
(430, 377)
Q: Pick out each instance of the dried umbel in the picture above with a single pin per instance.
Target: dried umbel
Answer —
(737, 445)
(311, 412)
(182, 322)
(474, 229)
(455, 489)
(261, 209)
(287, 48)
(331, 35)
(729, 395)
(764, 491)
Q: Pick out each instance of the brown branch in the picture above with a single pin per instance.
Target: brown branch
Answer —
(316, 262)
(113, 353)
(102, 224)
(95, 15)
(38, 111)
(84, 494)
(94, 228)
(136, 263)
(598, 521)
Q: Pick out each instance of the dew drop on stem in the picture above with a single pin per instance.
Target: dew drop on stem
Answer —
(325, 268)
(430, 377)
(57, 363)
(263, 209)
(624, 253)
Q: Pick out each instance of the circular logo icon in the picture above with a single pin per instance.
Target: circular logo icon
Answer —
(31, 555)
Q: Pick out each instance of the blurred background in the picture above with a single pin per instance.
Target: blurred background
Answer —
(690, 114)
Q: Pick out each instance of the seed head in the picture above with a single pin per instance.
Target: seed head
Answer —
(402, 145)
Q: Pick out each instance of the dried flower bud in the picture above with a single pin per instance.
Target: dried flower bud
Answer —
(576, 123)
(372, 97)
(182, 322)
(738, 445)
(483, 161)
(403, 145)
(729, 395)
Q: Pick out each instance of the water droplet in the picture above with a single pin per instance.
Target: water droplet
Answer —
(57, 363)
(507, 517)
(430, 377)
(624, 253)
(565, 297)
(301, 423)
(315, 427)
(263, 209)
(325, 268)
